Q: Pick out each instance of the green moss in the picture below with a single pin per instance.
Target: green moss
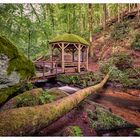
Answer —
(23, 66)
(17, 62)
(72, 38)
(74, 131)
(7, 48)
(29, 98)
(6, 92)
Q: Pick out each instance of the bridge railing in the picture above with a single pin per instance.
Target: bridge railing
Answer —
(50, 66)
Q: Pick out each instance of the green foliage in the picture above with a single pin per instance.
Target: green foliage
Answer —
(97, 30)
(121, 61)
(46, 97)
(33, 99)
(82, 80)
(90, 113)
(136, 42)
(105, 120)
(29, 86)
(137, 131)
(75, 131)
(119, 30)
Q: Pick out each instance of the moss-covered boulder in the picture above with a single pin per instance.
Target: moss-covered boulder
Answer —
(15, 68)
(34, 97)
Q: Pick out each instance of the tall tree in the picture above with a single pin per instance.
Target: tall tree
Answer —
(105, 16)
(90, 18)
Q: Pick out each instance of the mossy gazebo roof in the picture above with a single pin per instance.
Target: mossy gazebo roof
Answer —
(70, 38)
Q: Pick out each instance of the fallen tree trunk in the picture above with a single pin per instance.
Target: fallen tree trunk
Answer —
(30, 120)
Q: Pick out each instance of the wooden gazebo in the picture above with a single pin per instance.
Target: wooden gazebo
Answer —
(74, 45)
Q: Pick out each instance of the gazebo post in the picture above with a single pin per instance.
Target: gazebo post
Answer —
(79, 57)
(82, 55)
(87, 58)
(63, 62)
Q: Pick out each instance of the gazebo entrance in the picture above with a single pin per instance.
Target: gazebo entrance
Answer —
(72, 52)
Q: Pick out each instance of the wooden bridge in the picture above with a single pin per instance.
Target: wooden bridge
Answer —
(46, 70)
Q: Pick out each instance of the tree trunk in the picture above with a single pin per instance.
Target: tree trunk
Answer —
(118, 13)
(100, 6)
(138, 7)
(30, 120)
(29, 43)
(105, 16)
(90, 17)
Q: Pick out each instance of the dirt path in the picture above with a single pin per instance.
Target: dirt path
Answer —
(122, 103)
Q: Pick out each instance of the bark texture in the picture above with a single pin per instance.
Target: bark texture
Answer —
(29, 120)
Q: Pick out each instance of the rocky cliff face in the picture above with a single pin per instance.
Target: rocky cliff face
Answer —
(15, 69)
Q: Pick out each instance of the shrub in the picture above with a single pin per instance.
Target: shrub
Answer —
(32, 100)
(137, 131)
(121, 61)
(97, 29)
(74, 131)
(119, 30)
(136, 42)
(46, 98)
(82, 80)
(105, 120)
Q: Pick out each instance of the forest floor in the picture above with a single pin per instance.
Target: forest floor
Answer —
(79, 117)
(123, 102)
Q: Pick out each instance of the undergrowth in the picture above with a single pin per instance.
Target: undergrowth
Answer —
(122, 70)
(30, 100)
(74, 131)
(119, 30)
(104, 120)
(136, 42)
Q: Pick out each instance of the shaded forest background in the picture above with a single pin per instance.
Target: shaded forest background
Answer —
(31, 26)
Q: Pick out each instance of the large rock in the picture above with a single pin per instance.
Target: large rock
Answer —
(15, 69)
